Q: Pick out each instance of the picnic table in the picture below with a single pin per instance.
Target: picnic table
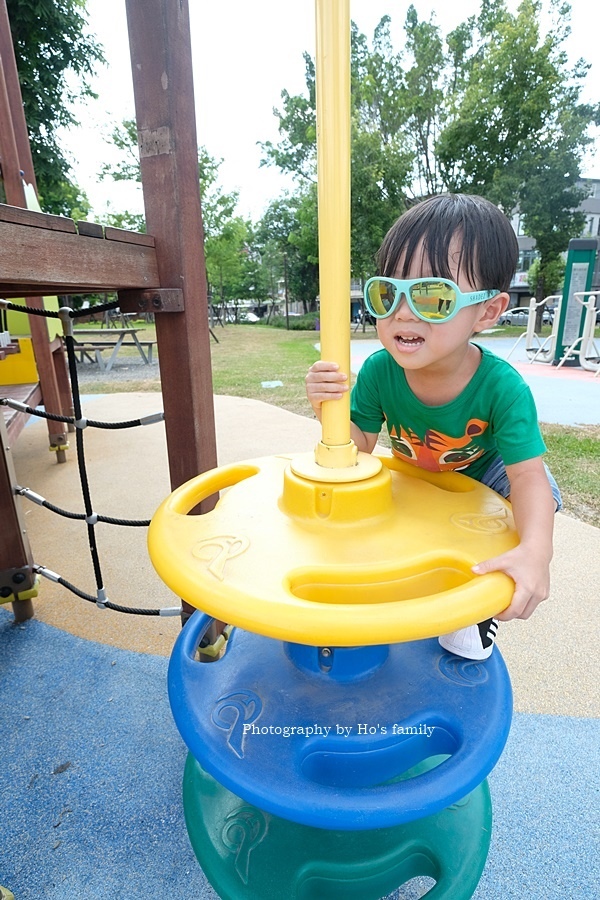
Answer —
(91, 343)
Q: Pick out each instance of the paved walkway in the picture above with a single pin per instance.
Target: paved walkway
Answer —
(92, 763)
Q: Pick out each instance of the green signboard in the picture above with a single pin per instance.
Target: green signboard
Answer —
(578, 277)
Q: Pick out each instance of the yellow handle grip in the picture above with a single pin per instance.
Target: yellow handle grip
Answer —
(190, 494)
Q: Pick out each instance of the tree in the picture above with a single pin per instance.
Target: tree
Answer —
(519, 132)
(548, 204)
(423, 98)
(492, 109)
(232, 267)
(124, 138)
(554, 277)
(230, 271)
(287, 239)
(382, 153)
(297, 150)
(51, 45)
(517, 100)
(381, 157)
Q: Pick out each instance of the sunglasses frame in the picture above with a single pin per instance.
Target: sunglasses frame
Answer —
(402, 288)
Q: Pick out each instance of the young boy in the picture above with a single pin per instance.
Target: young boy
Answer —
(446, 266)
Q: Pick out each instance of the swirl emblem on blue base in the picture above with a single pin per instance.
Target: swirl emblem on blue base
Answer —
(466, 672)
(232, 712)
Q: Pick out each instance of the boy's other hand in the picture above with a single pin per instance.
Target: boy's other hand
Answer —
(325, 382)
(531, 575)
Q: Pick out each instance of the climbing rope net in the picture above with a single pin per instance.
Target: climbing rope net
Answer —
(80, 423)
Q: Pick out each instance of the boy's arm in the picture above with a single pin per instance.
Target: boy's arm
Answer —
(325, 382)
(527, 564)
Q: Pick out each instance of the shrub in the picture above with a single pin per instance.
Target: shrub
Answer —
(307, 322)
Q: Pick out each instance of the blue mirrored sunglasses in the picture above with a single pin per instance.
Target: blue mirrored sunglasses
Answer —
(430, 299)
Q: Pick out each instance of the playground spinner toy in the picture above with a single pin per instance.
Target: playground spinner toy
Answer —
(336, 749)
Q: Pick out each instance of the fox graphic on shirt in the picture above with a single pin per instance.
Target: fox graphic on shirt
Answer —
(438, 452)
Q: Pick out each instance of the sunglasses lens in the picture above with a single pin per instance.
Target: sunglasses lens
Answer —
(380, 296)
(433, 299)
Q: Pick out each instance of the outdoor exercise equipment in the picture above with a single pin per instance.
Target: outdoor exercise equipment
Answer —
(572, 340)
(334, 569)
(535, 348)
(584, 348)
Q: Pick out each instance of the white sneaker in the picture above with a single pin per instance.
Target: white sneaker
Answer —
(473, 642)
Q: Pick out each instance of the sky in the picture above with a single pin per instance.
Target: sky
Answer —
(245, 52)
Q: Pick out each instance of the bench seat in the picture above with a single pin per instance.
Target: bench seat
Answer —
(87, 349)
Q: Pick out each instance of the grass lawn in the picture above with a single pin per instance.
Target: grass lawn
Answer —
(248, 355)
(574, 458)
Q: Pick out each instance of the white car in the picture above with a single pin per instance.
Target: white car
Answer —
(520, 315)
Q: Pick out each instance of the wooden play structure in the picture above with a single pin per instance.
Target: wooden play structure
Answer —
(162, 271)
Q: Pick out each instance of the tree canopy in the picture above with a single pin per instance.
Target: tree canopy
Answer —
(492, 108)
(232, 267)
(51, 46)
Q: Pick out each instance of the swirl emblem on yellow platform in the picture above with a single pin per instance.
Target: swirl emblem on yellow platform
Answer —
(217, 551)
(488, 523)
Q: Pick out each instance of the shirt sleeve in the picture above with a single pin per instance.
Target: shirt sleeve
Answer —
(365, 404)
(516, 429)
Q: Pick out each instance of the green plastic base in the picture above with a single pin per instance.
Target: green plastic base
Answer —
(248, 854)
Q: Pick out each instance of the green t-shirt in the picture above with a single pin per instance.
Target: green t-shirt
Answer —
(493, 416)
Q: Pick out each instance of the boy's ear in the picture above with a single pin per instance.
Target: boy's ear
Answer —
(491, 311)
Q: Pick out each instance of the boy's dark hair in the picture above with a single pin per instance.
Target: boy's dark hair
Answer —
(488, 245)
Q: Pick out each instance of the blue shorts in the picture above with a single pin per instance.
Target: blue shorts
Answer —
(496, 478)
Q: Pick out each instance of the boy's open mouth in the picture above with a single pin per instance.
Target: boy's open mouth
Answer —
(409, 341)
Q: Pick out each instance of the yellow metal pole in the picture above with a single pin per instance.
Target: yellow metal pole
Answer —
(336, 457)
(333, 165)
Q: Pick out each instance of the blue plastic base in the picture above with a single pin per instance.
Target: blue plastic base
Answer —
(330, 739)
(247, 854)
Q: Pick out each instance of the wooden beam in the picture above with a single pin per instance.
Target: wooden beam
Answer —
(9, 156)
(13, 88)
(152, 301)
(19, 216)
(37, 259)
(161, 64)
(16, 291)
(15, 194)
(130, 237)
(16, 574)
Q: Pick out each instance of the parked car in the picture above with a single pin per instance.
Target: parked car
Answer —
(520, 315)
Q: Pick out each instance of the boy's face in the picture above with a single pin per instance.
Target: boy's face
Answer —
(416, 344)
